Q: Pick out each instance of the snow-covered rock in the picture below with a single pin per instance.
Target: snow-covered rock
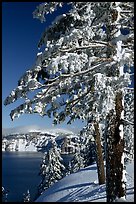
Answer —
(29, 139)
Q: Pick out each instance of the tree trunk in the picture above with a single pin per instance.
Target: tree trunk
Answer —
(115, 187)
(100, 160)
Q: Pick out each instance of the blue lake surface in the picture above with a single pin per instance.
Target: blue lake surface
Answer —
(20, 173)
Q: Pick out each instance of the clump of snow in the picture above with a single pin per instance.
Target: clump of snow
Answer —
(122, 199)
(57, 130)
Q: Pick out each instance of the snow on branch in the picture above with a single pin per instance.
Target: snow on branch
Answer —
(21, 91)
(85, 47)
(126, 122)
(129, 88)
(45, 8)
(56, 80)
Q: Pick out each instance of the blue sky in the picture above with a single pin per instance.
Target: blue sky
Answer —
(20, 36)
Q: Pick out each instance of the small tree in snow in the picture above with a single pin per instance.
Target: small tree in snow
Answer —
(90, 153)
(51, 169)
(44, 174)
(26, 197)
(76, 163)
(87, 141)
(4, 194)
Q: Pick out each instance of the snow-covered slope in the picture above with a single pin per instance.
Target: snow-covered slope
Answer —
(82, 186)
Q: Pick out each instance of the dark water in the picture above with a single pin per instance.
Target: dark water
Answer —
(20, 173)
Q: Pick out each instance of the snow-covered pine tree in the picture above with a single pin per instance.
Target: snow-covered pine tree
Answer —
(44, 174)
(119, 33)
(72, 54)
(88, 146)
(89, 152)
(83, 155)
(76, 162)
(4, 194)
(52, 168)
(68, 168)
(80, 72)
(26, 196)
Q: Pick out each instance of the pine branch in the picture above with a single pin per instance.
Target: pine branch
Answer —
(123, 11)
(127, 152)
(78, 98)
(54, 82)
(95, 44)
(129, 88)
(126, 122)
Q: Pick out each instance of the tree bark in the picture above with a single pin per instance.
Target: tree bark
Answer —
(114, 153)
(100, 160)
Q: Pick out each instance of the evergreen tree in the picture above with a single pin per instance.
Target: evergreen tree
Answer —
(80, 74)
(76, 163)
(89, 152)
(44, 174)
(88, 148)
(52, 168)
(77, 160)
(68, 168)
(4, 194)
(26, 197)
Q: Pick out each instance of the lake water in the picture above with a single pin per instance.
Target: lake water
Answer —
(20, 173)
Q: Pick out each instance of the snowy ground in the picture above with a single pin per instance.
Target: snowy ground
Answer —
(82, 186)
